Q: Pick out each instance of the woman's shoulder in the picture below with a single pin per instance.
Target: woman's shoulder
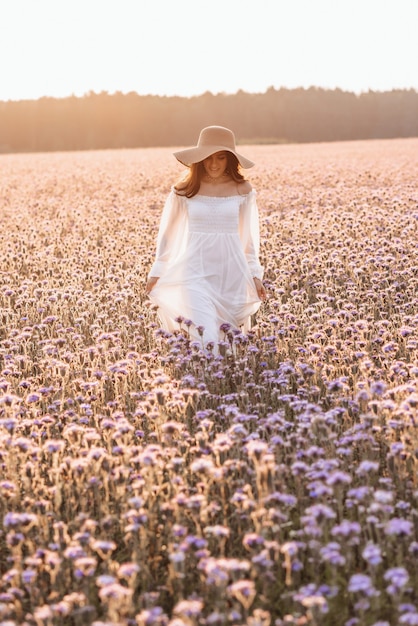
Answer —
(178, 191)
(245, 188)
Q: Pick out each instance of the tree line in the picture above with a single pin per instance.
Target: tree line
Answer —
(103, 120)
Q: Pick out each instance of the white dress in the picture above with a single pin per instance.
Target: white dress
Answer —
(206, 258)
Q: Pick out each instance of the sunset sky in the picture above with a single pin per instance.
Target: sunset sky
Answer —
(187, 47)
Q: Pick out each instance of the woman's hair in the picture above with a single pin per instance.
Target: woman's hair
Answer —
(189, 185)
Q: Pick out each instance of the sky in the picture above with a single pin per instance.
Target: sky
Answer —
(60, 48)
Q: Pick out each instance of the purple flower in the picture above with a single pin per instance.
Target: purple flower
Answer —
(389, 347)
(115, 591)
(16, 520)
(366, 467)
(191, 541)
(103, 548)
(378, 388)
(286, 499)
(382, 496)
(179, 531)
(398, 578)
(217, 570)
(54, 445)
(128, 570)
(33, 397)
(399, 527)
(319, 512)
(262, 560)
(346, 528)
(252, 540)
(358, 493)
(299, 467)
(339, 478)
(312, 596)
(361, 583)
(74, 552)
(315, 601)
(256, 449)
(372, 554)
(177, 557)
(317, 489)
(8, 423)
(405, 331)
(202, 466)
(410, 618)
(244, 591)
(332, 554)
(85, 567)
(188, 608)
(105, 579)
(152, 617)
(217, 531)
(290, 548)
(29, 576)
(406, 607)
(8, 487)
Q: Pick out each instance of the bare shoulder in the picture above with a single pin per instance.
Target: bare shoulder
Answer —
(245, 188)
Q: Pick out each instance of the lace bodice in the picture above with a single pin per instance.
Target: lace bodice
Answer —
(209, 214)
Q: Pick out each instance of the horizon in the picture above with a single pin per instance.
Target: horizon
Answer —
(199, 95)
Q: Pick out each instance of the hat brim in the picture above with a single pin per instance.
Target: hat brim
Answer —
(199, 153)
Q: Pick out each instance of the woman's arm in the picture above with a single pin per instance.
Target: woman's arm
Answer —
(261, 290)
(170, 238)
(250, 238)
(249, 230)
(151, 282)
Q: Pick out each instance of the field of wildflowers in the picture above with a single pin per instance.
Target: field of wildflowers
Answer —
(143, 482)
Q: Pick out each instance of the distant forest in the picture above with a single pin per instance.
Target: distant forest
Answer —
(103, 120)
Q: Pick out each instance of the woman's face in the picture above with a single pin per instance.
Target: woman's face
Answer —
(216, 164)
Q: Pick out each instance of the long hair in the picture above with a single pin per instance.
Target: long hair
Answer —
(189, 185)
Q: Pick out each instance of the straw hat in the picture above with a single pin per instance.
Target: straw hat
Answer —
(212, 139)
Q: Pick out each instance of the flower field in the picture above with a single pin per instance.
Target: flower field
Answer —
(146, 482)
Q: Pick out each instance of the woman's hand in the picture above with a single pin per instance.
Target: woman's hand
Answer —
(151, 282)
(261, 290)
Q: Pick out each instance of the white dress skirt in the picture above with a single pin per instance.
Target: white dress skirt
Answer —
(206, 259)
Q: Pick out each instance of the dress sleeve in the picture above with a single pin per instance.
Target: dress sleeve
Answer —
(171, 238)
(249, 230)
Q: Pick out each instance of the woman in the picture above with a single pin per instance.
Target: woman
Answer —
(207, 271)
